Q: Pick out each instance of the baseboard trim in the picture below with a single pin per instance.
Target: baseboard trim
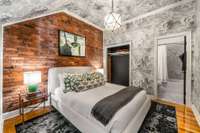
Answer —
(15, 113)
(196, 113)
(10, 114)
(1, 126)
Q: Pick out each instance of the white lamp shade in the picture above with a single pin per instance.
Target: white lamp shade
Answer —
(32, 77)
(100, 70)
(112, 21)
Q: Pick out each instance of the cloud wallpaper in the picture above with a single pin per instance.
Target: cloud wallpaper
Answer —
(92, 10)
(196, 63)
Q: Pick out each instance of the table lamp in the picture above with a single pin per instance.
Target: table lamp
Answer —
(100, 70)
(32, 79)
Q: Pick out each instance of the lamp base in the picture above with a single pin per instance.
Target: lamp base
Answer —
(32, 88)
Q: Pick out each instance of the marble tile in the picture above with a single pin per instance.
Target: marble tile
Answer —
(92, 10)
(196, 62)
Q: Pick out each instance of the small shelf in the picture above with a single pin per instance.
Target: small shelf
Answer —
(118, 53)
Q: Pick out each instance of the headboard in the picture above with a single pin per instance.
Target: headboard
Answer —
(53, 79)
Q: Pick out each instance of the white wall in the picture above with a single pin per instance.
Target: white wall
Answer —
(1, 77)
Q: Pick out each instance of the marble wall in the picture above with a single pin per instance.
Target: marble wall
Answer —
(174, 62)
(92, 10)
(143, 32)
(196, 65)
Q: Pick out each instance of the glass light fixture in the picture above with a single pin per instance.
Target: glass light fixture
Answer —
(112, 21)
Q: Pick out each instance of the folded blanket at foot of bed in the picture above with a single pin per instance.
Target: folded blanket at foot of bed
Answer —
(105, 109)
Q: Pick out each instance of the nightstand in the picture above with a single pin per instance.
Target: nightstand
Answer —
(33, 102)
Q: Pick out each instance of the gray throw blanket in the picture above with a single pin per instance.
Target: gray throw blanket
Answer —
(105, 109)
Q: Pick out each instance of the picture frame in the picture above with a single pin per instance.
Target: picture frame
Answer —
(71, 44)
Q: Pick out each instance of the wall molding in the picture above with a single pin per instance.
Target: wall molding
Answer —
(196, 113)
(154, 12)
(1, 77)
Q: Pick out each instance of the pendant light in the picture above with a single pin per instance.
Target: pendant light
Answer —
(112, 21)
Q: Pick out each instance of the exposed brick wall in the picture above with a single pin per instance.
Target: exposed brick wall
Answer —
(33, 45)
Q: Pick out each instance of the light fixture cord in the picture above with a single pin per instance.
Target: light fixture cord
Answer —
(112, 6)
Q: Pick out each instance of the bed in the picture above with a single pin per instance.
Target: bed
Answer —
(76, 107)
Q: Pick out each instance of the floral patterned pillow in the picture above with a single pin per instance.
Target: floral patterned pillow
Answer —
(72, 82)
(91, 80)
(82, 82)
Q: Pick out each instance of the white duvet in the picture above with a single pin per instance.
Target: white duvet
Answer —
(83, 102)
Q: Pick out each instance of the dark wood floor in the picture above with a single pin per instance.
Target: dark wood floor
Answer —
(185, 118)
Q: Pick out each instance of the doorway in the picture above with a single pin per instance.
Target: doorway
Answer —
(118, 64)
(173, 78)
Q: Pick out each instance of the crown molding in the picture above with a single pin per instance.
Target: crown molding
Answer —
(162, 9)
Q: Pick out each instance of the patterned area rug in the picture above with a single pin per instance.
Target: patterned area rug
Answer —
(52, 122)
(160, 119)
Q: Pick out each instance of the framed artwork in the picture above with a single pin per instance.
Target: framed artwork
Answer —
(71, 44)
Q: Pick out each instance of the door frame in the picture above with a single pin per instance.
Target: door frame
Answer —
(106, 47)
(1, 78)
(188, 35)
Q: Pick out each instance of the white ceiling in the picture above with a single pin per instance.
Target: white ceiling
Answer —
(91, 10)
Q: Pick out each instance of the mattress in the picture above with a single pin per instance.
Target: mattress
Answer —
(83, 102)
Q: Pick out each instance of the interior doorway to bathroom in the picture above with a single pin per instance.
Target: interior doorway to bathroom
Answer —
(172, 68)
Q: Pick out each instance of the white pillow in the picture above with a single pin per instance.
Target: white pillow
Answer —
(61, 79)
(58, 94)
